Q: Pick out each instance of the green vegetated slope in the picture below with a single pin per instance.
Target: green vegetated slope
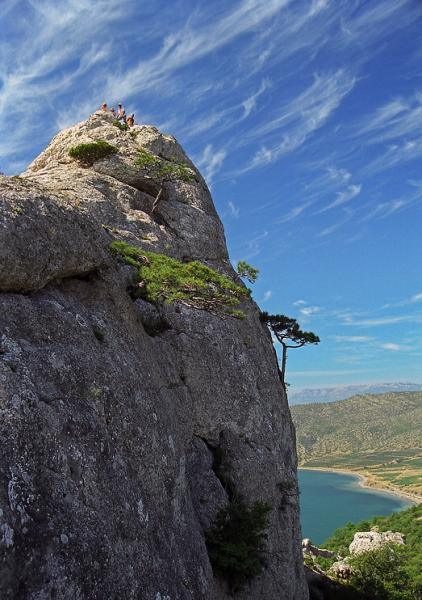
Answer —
(378, 434)
(394, 574)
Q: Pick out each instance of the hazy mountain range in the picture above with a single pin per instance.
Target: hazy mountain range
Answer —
(331, 394)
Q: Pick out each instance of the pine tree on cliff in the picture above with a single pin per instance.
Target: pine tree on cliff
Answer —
(285, 329)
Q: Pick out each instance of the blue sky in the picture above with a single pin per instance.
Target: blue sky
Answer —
(304, 116)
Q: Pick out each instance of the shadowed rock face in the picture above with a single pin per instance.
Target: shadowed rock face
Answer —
(108, 418)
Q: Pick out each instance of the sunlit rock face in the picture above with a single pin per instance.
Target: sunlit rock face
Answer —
(365, 541)
(109, 421)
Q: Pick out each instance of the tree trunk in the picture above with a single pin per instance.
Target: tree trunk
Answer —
(283, 365)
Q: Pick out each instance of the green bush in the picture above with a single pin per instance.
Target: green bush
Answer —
(160, 169)
(403, 577)
(121, 126)
(236, 542)
(381, 574)
(165, 279)
(146, 159)
(288, 490)
(92, 151)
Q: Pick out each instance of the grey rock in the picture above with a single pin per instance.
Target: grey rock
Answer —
(365, 541)
(341, 569)
(35, 227)
(313, 551)
(111, 409)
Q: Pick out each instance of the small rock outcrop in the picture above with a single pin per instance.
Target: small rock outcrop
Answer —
(313, 551)
(365, 541)
(341, 569)
(116, 413)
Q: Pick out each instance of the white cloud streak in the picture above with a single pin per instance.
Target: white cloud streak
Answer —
(250, 103)
(306, 113)
(378, 321)
(394, 347)
(192, 43)
(343, 197)
(234, 210)
(353, 339)
(211, 162)
(310, 310)
(294, 213)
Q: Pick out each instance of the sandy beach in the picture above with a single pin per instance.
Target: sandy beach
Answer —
(365, 482)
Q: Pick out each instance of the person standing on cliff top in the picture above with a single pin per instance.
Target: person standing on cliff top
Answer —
(121, 114)
(104, 106)
(131, 120)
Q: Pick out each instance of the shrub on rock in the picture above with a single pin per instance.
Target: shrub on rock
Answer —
(92, 151)
(166, 279)
(236, 542)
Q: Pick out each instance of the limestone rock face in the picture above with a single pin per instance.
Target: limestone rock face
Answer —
(110, 422)
(365, 541)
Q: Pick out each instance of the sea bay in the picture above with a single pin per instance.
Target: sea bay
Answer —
(329, 500)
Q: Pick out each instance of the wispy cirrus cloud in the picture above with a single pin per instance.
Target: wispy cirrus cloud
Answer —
(395, 119)
(295, 212)
(394, 347)
(234, 210)
(381, 210)
(353, 339)
(379, 321)
(196, 39)
(250, 103)
(403, 151)
(414, 299)
(326, 231)
(254, 245)
(306, 113)
(308, 311)
(211, 162)
(338, 175)
(343, 197)
(377, 19)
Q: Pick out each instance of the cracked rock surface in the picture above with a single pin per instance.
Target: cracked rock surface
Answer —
(111, 409)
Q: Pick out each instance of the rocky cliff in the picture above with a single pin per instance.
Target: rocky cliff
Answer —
(114, 409)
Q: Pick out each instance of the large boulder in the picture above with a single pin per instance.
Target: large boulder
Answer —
(365, 541)
(341, 569)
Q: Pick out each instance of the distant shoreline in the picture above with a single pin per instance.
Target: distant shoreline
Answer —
(366, 483)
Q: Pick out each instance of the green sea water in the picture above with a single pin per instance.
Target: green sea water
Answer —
(330, 500)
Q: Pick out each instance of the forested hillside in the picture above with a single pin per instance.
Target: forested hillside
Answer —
(377, 434)
(393, 576)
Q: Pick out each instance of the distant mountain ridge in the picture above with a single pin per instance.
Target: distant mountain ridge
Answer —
(379, 435)
(332, 394)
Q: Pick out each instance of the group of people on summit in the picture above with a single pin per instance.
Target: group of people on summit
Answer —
(120, 115)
